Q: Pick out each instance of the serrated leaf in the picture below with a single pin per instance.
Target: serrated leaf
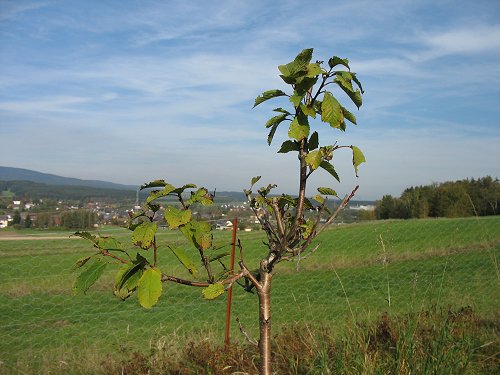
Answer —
(176, 217)
(331, 111)
(330, 169)
(313, 159)
(313, 141)
(127, 279)
(81, 262)
(281, 110)
(289, 146)
(346, 85)
(334, 61)
(270, 136)
(143, 236)
(88, 277)
(181, 189)
(185, 260)
(357, 158)
(319, 198)
(276, 120)
(297, 67)
(87, 236)
(299, 128)
(154, 184)
(307, 228)
(349, 116)
(266, 95)
(160, 193)
(327, 191)
(355, 79)
(200, 196)
(304, 84)
(254, 180)
(199, 233)
(307, 110)
(213, 291)
(296, 99)
(109, 243)
(313, 70)
(149, 288)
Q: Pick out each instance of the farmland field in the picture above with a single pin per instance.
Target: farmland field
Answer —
(358, 272)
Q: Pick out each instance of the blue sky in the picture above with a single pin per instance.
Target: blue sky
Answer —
(130, 91)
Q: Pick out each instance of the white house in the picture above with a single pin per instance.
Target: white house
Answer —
(4, 221)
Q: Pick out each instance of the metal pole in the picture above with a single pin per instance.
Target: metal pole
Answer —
(230, 291)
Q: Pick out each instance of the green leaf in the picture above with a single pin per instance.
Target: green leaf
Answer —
(127, 279)
(319, 198)
(176, 217)
(299, 128)
(144, 235)
(199, 233)
(266, 95)
(255, 180)
(288, 146)
(184, 259)
(109, 243)
(313, 70)
(81, 262)
(200, 196)
(213, 291)
(334, 61)
(181, 189)
(355, 79)
(348, 115)
(313, 159)
(327, 191)
(276, 120)
(88, 277)
(307, 228)
(154, 184)
(330, 169)
(281, 110)
(296, 99)
(331, 111)
(87, 236)
(357, 158)
(297, 67)
(307, 110)
(271, 134)
(313, 142)
(160, 193)
(149, 288)
(345, 84)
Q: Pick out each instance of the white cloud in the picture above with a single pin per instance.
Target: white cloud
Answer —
(476, 39)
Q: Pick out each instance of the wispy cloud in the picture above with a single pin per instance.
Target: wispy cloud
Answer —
(167, 88)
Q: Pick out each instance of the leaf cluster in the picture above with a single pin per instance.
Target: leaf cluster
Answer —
(140, 273)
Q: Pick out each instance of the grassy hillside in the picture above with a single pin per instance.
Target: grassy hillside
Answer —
(359, 272)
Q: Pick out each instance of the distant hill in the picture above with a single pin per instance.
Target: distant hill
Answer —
(20, 174)
(38, 190)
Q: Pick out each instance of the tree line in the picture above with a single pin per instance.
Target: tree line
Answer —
(469, 197)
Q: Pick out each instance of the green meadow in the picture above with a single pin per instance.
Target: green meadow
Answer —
(358, 272)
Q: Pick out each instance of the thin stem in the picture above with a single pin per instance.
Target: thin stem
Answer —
(108, 254)
(154, 253)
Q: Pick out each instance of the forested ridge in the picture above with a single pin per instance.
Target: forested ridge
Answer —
(469, 197)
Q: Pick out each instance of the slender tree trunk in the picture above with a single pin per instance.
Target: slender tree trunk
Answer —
(264, 293)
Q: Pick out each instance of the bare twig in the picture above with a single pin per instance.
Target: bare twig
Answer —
(250, 339)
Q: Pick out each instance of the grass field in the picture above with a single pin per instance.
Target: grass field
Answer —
(359, 272)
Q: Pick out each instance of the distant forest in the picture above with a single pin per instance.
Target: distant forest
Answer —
(470, 197)
(35, 191)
